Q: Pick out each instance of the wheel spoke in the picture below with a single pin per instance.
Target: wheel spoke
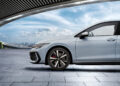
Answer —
(62, 63)
(56, 63)
(63, 56)
(57, 52)
(51, 58)
(54, 53)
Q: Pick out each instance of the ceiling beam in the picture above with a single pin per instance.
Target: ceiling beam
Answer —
(13, 11)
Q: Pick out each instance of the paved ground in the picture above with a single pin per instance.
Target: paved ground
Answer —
(15, 70)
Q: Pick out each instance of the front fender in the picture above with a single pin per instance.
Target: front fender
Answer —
(70, 47)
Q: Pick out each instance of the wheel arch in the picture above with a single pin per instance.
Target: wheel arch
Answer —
(57, 47)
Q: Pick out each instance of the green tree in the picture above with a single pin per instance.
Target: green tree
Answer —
(1, 45)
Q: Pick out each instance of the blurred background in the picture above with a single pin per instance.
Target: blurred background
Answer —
(25, 32)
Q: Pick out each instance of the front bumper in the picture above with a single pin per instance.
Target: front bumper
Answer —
(40, 52)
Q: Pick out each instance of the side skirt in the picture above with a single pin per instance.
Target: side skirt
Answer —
(98, 63)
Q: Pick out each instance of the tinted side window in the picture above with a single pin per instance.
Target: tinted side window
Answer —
(104, 30)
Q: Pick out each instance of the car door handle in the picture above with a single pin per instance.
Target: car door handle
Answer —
(111, 39)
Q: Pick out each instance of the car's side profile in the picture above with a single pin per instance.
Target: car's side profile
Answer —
(98, 44)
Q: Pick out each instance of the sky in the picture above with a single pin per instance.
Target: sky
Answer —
(58, 23)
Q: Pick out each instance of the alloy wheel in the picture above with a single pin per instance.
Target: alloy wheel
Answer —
(59, 59)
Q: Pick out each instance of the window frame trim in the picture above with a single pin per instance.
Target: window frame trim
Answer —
(99, 25)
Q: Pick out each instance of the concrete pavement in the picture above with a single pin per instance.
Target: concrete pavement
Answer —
(16, 70)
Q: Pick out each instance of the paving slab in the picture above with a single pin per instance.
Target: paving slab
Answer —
(29, 84)
(16, 79)
(5, 84)
(52, 79)
(66, 84)
(16, 70)
(108, 79)
(103, 84)
(81, 79)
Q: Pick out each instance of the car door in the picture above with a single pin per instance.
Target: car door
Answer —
(118, 49)
(118, 43)
(100, 47)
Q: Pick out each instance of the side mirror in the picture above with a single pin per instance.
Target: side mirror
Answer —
(91, 34)
(84, 34)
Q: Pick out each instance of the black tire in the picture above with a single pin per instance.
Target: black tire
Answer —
(58, 58)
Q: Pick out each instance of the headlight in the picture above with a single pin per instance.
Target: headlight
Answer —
(39, 45)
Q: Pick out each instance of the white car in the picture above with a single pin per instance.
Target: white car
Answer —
(99, 44)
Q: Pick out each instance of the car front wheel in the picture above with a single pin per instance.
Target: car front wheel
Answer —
(58, 58)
